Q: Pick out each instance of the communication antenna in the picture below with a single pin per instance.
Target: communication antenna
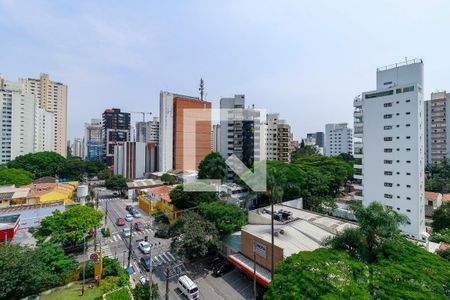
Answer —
(201, 88)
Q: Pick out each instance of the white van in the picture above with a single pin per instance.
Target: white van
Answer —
(188, 287)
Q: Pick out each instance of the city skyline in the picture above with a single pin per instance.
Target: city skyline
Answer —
(111, 55)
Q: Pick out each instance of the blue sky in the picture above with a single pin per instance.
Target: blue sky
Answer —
(304, 59)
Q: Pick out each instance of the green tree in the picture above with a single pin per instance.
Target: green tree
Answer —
(15, 176)
(193, 236)
(169, 179)
(441, 217)
(73, 168)
(213, 166)
(22, 272)
(56, 261)
(141, 291)
(186, 199)
(116, 183)
(69, 226)
(305, 150)
(109, 283)
(227, 217)
(93, 167)
(40, 163)
(104, 174)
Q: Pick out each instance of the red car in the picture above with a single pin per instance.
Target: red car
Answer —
(139, 226)
(120, 221)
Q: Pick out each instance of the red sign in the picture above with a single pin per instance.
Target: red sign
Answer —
(95, 259)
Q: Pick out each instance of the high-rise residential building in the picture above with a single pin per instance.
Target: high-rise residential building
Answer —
(148, 132)
(437, 128)
(52, 97)
(318, 138)
(215, 137)
(242, 132)
(116, 131)
(174, 153)
(278, 138)
(26, 128)
(93, 140)
(338, 139)
(78, 147)
(389, 144)
(130, 159)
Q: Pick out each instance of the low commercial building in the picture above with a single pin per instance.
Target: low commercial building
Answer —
(43, 193)
(295, 230)
(10, 195)
(8, 227)
(157, 200)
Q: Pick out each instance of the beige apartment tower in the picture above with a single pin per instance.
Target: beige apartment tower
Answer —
(51, 96)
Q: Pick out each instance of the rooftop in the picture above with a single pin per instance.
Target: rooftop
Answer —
(8, 221)
(400, 64)
(142, 183)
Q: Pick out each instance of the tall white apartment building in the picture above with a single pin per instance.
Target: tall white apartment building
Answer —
(437, 128)
(278, 138)
(78, 147)
(51, 96)
(215, 138)
(148, 132)
(338, 139)
(389, 142)
(24, 126)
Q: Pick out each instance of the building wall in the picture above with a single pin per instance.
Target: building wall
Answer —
(166, 132)
(201, 133)
(52, 96)
(437, 131)
(93, 140)
(338, 139)
(215, 144)
(390, 123)
(116, 131)
(44, 130)
(247, 242)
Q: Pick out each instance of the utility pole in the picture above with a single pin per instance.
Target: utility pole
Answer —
(150, 283)
(95, 228)
(85, 261)
(167, 282)
(273, 239)
(129, 249)
(254, 272)
(106, 214)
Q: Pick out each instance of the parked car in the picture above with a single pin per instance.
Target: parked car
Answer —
(222, 269)
(136, 214)
(142, 280)
(129, 207)
(139, 226)
(115, 194)
(144, 247)
(120, 221)
(146, 262)
(126, 232)
(129, 218)
(216, 260)
(188, 287)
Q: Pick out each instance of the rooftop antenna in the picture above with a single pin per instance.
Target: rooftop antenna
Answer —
(406, 59)
(201, 88)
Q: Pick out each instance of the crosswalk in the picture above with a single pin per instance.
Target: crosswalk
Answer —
(163, 258)
(108, 199)
(117, 236)
(106, 251)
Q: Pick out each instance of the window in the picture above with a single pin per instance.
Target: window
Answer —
(408, 89)
(389, 173)
(408, 173)
(387, 150)
(388, 184)
(408, 198)
(408, 149)
(408, 137)
(388, 116)
(397, 114)
(398, 91)
(379, 94)
(407, 101)
(408, 161)
(388, 127)
(388, 196)
(407, 125)
(398, 149)
(389, 104)
(408, 210)
(408, 113)
(388, 162)
(408, 186)
(398, 173)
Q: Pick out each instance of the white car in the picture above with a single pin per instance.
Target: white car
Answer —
(142, 280)
(137, 214)
(144, 247)
(129, 218)
(126, 232)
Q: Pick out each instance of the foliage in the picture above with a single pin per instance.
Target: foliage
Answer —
(73, 168)
(193, 236)
(403, 270)
(111, 267)
(104, 174)
(106, 232)
(40, 163)
(442, 236)
(169, 179)
(441, 217)
(27, 271)
(185, 199)
(120, 294)
(116, 182)
(445, 254)
(69, 226)
(15, 176)
(377, 224)
(141, 292)
(109, 283)
(439, 177)
(163, 231)
(227, 217)
(304, 150)
(73, 293)
(213, 166)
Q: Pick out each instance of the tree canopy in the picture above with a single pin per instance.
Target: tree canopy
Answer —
(69, 226)
(213, 166)
(15, 176)
(439, 177)
(227, 217)
(169, 179)
(40, 163)
(193, 236)
(183, 199)
(441, 217)
(304, 150)
(116, 182)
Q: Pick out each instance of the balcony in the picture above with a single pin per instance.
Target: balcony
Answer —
(358, 197)
(357, 102)
(358, 176)
(358, 113)
(358, 187)
(358, 166)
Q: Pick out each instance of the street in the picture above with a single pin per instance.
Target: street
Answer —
(233, 285)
